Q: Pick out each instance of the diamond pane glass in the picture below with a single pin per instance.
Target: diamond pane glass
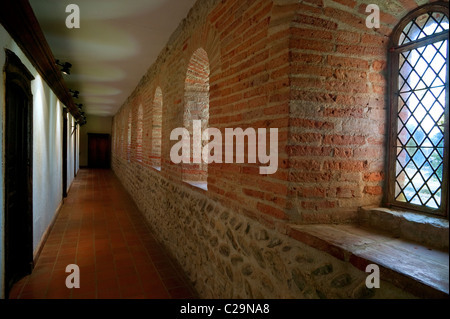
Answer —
(421, 113)
(404, 136)
(419, 159)
(426, 170)
(416, 200)
(424, 194)
(434, 184)
(432, 203)
(424, 25)
(436, 136)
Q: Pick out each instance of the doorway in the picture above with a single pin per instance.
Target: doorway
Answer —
(99, 150)
(18, 171)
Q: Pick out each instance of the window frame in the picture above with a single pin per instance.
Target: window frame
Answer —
(394, 54)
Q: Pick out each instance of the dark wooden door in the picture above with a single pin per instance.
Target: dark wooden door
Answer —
(99, 150)
(18, 177)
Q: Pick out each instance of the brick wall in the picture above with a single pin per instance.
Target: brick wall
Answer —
(338, 111)
(311, 69)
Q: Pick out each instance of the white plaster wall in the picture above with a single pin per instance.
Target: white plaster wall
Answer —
(78, 148)
(47, 157)
(70, 152)
(47, 152)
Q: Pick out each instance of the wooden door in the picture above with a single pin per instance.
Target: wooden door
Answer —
(18, 172)
(99, 150)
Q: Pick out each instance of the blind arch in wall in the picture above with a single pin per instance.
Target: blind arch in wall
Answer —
(157, 128)
(196, 108)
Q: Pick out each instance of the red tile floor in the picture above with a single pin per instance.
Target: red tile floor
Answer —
(100, 229)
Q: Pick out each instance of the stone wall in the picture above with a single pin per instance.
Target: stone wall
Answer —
(229, 255)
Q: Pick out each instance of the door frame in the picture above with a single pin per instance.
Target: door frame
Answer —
(16, 72)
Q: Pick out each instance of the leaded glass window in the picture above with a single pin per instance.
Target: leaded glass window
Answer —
(419, 114)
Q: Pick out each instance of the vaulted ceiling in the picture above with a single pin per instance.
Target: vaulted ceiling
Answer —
(115, 45)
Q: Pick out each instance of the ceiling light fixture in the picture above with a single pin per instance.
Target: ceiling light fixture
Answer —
(74, 93)
(65, 67)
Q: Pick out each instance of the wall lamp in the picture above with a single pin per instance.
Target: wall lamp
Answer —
(74, 93)
(65, 67)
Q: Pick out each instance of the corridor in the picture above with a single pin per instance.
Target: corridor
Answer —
(257, 149)
(100, 229)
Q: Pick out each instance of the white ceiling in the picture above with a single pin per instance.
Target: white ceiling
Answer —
(118, 40)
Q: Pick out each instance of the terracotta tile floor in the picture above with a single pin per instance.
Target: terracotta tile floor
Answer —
(101, 230)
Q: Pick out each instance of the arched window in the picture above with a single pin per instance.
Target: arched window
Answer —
(419, 136)
(139, 133)
(196, 108)
(156, 129)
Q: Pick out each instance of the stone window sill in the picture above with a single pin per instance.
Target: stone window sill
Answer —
(426, 229)
(417, 268)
